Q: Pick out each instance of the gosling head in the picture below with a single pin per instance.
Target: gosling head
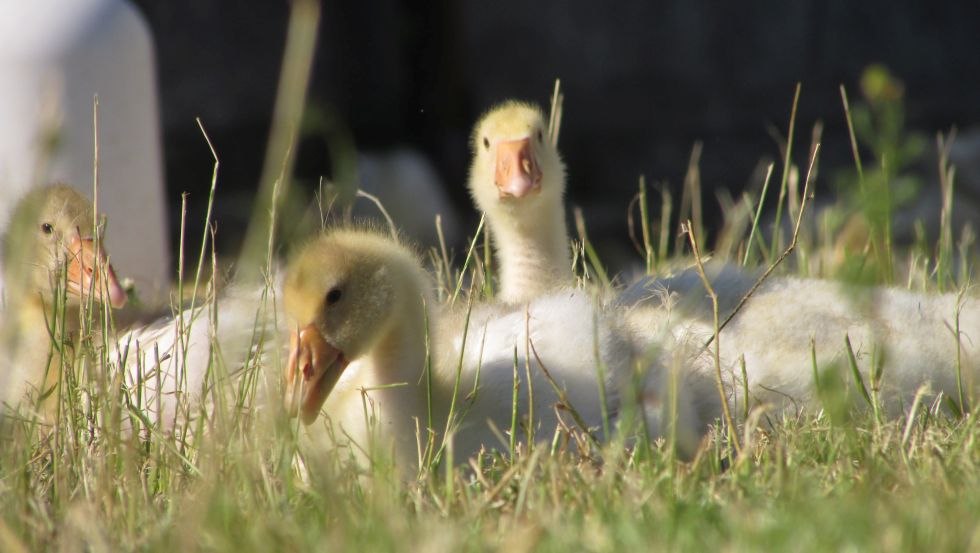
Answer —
(514, 162)
(342, 293)
(50, 238)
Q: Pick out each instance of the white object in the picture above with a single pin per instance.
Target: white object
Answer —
(790, 322)
(56, 56)
(517, 179)
(358, 297)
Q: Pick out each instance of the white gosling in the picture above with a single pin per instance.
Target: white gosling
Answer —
(910, 335)
(50, 256)
(358, 304)
(165, 364)
(362, 313)
(517, 179)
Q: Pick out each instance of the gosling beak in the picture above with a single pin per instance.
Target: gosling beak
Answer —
(517, 173)
(313, 369)
(86, 267)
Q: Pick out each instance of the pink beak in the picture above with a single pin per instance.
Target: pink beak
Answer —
(517, 173)
(86, 267)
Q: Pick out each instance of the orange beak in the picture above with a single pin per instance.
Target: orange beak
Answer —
(517, 173)
(313, 369)
(86, 267)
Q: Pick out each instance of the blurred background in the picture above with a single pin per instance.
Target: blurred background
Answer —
(643, 82)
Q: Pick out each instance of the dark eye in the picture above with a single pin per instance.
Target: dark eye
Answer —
(333, 296)
(540, 136)
(486, 142)
(47, 228)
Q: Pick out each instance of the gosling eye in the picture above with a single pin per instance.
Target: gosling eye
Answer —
(486, 142)
(46, 228)
(540, 136)
(333, 296)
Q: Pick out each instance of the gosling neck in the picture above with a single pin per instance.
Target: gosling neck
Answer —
(533, 254)
(37, 318)
(399, 355)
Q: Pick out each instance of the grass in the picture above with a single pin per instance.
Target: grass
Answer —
(806, 484)
(232, 478)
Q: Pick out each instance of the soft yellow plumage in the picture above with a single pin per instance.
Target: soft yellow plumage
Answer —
(517, 179)
(357, 301)
(49, 259)
(365, 330)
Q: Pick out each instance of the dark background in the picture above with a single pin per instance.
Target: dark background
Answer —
(642, 80)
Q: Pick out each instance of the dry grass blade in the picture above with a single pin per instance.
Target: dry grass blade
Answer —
(392, 229)
(787, 163)
(562, 396)
(469, 257)
(789, 249)
(716, 354)
(554, 117)
(589, 250)
(690, 207)
(850, 132)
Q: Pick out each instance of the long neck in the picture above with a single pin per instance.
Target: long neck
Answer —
(532, 253)
(390, 385)
(399, 354)
(399, 357)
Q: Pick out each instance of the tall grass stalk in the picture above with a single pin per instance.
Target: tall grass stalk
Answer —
(554, 115)
(716, 352)
(944, 257)
(787, 163)
(690, 207)
(649, 255)
(529, 431)
(466, 261)
(274, 182)
(758, 214)
(666, 205)
(958, 335)
(850, 132)
(789, 249)
(601, 372)
(590, 253)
